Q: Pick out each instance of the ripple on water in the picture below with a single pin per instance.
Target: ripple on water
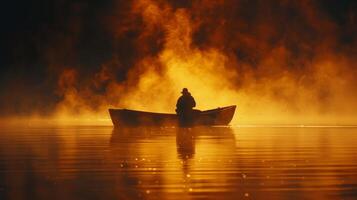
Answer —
(171, 163)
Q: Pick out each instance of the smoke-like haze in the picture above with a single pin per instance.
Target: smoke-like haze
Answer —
(278, 61)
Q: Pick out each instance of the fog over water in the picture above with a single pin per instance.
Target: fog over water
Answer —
(291, 62)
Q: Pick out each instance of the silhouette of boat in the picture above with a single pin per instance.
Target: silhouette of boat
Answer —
(125, 117)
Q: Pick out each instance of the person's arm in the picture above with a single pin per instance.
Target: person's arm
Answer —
(193, 102)
(179, 103)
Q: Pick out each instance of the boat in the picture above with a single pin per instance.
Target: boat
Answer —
(213, 117)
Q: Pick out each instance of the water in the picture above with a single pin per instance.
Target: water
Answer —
(90, 162)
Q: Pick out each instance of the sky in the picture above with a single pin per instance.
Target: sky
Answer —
(278, 60)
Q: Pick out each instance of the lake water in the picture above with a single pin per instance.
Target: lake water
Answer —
(97, 162)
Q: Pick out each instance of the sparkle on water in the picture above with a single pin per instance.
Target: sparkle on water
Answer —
(97, 162)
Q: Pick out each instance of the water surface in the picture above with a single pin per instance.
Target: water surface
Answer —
(97, 162)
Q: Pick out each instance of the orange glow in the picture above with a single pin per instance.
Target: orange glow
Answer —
(269, 92)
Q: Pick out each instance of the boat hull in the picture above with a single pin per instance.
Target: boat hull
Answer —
(125, 117)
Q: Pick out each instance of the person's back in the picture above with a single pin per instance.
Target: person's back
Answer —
(184, 107)
(186, 102)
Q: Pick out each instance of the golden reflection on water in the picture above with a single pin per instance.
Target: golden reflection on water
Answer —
(89, 162)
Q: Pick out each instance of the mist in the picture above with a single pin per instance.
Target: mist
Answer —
(280, 62)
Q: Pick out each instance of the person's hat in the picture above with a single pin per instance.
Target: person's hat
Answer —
(184, 90)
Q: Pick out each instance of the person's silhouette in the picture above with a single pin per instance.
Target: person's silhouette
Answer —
(184, 108)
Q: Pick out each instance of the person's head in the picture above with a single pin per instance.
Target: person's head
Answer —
(185, 91)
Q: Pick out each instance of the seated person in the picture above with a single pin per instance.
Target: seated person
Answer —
(184, 107)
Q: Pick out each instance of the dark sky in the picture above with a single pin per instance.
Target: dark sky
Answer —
(41, 38)
(33, 29)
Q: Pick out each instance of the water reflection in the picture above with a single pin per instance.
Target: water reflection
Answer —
(186, 139)
(166, 161)
(178, 163)
(185, 143)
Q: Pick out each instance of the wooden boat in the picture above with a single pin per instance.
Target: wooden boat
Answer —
(125, 117)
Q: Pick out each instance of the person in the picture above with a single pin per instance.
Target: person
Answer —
(184, 107)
